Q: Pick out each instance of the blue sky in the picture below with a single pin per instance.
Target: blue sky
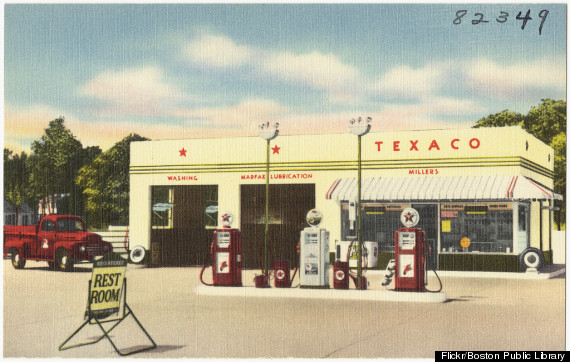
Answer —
(196, 70)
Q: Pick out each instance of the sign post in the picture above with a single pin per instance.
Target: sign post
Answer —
(107, 295)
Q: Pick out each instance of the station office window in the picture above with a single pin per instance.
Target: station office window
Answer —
(211, 209)
(161, 207)
(378, 223)
(489, 227)
(198, 204)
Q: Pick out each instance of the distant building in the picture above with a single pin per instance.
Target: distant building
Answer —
(50, 204)
(26, 215)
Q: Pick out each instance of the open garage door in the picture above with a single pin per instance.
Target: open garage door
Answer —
(183, 221)
(288, 206)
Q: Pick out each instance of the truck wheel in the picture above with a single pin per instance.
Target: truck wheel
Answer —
(17, 261)
(63, 260)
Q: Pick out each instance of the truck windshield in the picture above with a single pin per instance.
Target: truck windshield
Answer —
(69, 225)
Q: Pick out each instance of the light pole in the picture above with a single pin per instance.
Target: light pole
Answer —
(267, 133)
(359, 128)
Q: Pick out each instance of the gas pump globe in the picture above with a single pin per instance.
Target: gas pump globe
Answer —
(227, 219)
(314, 218)
(410, 217)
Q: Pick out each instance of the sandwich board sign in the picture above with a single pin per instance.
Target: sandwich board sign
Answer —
(107, 295)
(106, 286)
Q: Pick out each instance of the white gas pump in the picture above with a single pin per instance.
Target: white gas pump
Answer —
(314, 250)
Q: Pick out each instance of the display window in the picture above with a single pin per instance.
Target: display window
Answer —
(476, 228)
(378, 223)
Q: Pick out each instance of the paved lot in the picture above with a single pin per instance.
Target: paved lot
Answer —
(42, 308)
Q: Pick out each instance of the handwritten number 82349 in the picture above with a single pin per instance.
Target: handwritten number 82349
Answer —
(479, 18)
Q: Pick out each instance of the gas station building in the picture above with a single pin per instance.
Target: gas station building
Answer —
(490, 185)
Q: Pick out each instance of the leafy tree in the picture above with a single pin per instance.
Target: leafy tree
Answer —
(502, 119)
(105, 185)
(559, 145)
(53, 165)
(547, 122)
(16, 175)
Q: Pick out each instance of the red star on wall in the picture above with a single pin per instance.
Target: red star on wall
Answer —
(182, 152)
(276, 149)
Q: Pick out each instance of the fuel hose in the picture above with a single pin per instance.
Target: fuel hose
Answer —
(428, 257)
(208, 258)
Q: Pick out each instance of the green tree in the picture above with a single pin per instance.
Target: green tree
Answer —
(559, 145)
(53, 165)
(502, 119)
(105, 185)
(547, 122)
(16, 176)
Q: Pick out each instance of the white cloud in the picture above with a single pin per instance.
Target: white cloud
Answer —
(405, 82)
(511, 81)
(245, 115)
(218, 52)
(134, 91)
(450, 106)
(319, 71)
(433, 113)
(314, 70)
(427, 113)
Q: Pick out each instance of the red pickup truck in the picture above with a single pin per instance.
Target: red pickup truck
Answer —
(61, 240)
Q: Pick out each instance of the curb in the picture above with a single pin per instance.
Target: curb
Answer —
(336, 294)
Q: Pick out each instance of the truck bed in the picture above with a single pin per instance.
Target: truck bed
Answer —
(28, 230)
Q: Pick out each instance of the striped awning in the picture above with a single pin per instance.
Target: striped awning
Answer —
(496, 188)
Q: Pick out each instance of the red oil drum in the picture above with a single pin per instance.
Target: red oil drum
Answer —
(340, 275)
(282, 274)
(261, 281)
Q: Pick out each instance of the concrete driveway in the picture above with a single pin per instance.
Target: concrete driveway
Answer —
(42, 308)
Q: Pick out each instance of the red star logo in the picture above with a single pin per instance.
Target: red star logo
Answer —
(182, 152)
(225, 217)
(276, 149)
(409, 217)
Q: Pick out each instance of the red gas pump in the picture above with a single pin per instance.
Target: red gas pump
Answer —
(409, 253)
(410, 259)
(226, 255)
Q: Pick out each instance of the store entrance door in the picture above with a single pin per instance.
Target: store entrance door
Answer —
(429, 223)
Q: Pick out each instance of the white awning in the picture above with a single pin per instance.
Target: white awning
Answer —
(493, 188)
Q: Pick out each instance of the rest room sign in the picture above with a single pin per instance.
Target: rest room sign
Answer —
(106, 286)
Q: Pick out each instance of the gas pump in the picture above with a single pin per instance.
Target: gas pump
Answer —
(225, 251)
(409, 265)
(409, 253)
(314, 249)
